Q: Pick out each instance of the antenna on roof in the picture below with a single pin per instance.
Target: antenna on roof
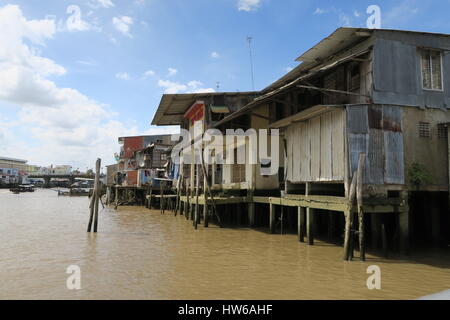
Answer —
(249, 40)
(217, 85)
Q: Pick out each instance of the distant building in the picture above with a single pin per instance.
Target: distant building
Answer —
(13, 170)
(55, 170)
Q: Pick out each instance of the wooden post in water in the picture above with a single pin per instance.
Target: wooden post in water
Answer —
(97, 192)
(208, 184)
(205, 207)
(301, 213)
(359, 197)
(272, 218)
(197, 191)
(93, 217)
(348, 217)
(177, 201)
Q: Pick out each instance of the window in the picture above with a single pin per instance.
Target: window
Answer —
(424, 130)
(431, 61)
(442, 131)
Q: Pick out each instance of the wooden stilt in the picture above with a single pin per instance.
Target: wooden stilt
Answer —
(310, 226)
(359, 197)
(349, 217)
(272, 218)
(197, 191)
(209, 187)
(301, 212)
(404, 223)
(95, 198)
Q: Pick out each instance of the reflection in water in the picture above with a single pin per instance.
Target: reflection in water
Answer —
(140, 254)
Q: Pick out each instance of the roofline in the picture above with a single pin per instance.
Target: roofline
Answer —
(372, 31)
(13, 159)
(197, 96)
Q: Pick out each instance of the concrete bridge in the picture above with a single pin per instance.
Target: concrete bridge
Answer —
(70, 177)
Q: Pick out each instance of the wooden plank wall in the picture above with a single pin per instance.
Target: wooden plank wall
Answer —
(315, 149)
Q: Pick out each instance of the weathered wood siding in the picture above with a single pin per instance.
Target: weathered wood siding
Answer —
(315, 149)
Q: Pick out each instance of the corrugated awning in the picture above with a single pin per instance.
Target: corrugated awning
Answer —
(312, 72)
(172, 107)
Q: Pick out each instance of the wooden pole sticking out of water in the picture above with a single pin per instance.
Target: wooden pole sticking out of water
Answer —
(197, 191)
(97, 192)
(359, 197)
(209, 187)
(95, 198)
(348, 217)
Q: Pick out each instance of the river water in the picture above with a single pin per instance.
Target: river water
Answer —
(141, 254)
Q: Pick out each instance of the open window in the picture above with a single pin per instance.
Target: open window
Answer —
(431, 62)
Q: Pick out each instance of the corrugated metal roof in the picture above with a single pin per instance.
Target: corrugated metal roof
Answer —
(173, 106)
(13, 159)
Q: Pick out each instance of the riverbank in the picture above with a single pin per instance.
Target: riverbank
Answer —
(141, 254)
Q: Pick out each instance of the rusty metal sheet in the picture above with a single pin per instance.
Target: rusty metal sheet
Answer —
(392, 118)
(357, 122)
(357, 143)
(394, 163)
(375, 115)
(375, 158)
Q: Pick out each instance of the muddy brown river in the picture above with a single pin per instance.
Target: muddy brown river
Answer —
(141, 254)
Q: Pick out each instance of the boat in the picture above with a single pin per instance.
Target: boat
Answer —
(22, 188)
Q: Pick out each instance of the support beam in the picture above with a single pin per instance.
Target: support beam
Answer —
(310, 226)
(272, 218)
(404, 223)
(301, 212)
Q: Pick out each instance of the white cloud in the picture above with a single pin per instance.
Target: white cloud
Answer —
(356, 13)
(123, 76)
(101, 3)
(193, 86)
(172, 72)
(172, 87)
(319, 11)
(248, 5)
(66, 125)
(215, 55)
(148, 73)
(122, 24)
(75, 22)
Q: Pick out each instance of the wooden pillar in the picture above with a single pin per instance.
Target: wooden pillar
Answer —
(310, 226)
(348, 218)
(205, 207)
(359, 197)
(404, 223)
(117, 195)
(301, 212)
(272, 218)
(251, 213)
(197, 192)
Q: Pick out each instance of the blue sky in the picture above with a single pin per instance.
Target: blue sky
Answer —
(70, 84)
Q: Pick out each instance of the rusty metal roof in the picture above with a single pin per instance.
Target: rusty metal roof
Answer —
(173, 106)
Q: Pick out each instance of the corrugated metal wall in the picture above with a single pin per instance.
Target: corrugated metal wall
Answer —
(315, 149)
(377, 131)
